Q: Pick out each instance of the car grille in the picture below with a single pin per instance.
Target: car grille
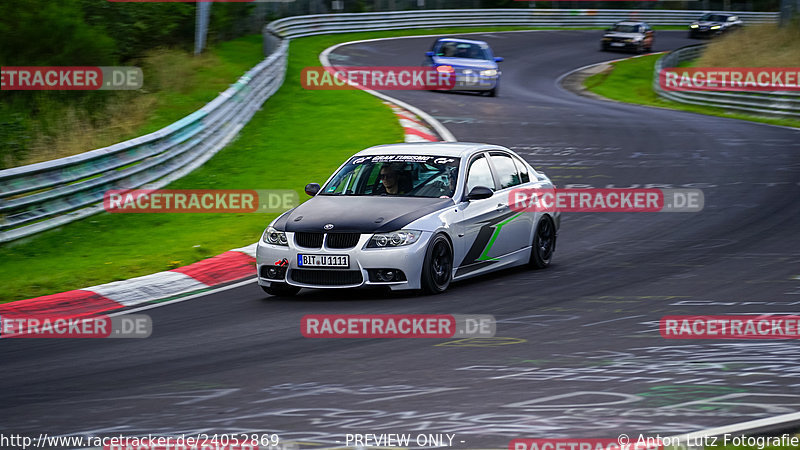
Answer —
(308, 240)
(342, 240)
(327, 277)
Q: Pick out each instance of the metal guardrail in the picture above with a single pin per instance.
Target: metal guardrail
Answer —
(294, 27)
(41, 196)
(778, 103)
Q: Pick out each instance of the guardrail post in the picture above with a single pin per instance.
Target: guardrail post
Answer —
(201, 26)
(787, 10)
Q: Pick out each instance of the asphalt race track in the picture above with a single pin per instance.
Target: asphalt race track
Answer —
(577, 353)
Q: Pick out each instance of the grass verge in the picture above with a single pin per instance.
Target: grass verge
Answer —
(630, 81)
(765, 45)
(176, 83)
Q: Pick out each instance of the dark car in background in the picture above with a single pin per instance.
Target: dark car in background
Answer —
(472, 62)
(627, 35)
(714, 24)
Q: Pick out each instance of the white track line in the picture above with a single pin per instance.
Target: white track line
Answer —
(188, 297)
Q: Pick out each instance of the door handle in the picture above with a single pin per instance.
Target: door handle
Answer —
(502, 206)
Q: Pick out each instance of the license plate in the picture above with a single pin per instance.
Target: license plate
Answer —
(323, 260)
(617, 44)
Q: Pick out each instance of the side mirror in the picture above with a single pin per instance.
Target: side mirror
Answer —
(498, 59)
(479, 193)
(312, 189)
(430, 54)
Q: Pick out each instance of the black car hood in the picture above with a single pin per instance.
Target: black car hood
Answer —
(359, 214)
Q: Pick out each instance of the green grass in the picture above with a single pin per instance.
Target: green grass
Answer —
(55, 124)
(231, 60)
(299, 136)
(630, 81)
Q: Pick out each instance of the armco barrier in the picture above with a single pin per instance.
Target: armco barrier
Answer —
(292, 27)
(781, 104)
(41, 196)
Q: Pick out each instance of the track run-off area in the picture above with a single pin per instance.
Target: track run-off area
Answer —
(578, 351)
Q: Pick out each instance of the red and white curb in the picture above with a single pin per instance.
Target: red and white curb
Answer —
(230, 266)
(414, 129)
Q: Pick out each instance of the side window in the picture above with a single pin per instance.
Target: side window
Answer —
(479, 174)
(347, 183)
(506, 170)
(524, 177)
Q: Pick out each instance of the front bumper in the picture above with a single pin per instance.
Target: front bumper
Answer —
(408, 259)
(472, 80)
(704, 32)
(621, 45)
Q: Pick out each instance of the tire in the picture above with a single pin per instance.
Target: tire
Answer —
(437, 270)
(544, 243)
(281, 290)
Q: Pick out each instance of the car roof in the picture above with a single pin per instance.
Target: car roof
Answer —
(465, 41)
(452, 149)
(627, 22)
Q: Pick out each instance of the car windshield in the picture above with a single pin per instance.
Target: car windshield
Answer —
(400, 175)
(714, 18)
(461, 50)
(626, 28)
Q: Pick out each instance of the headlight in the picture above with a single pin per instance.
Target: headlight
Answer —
(393, 239)
(488, 73)
(274, 237)
(716, 27)
(628, 40)
(694, 25)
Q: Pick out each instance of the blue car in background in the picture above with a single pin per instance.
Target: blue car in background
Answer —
(471, 61)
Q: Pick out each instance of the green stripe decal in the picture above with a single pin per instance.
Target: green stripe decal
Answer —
(485, 255)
